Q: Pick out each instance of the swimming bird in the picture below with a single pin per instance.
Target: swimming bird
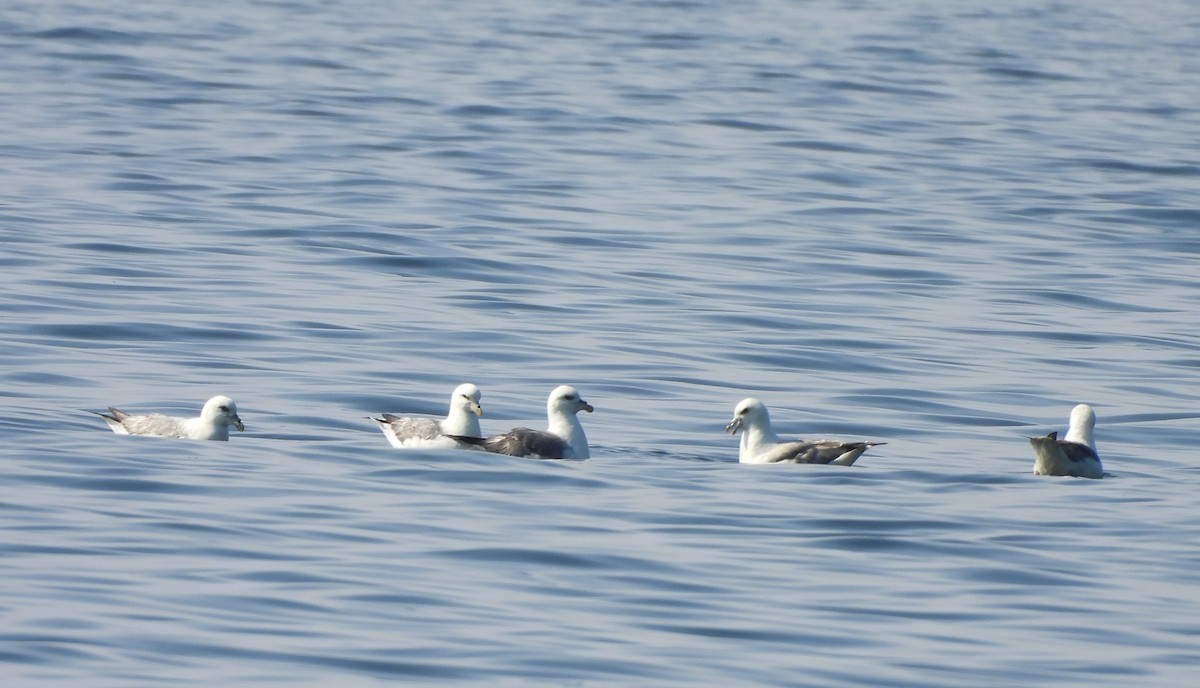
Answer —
(564, 439)
(760, 444)
(406, 432)
(1075, 455)
(217, 416)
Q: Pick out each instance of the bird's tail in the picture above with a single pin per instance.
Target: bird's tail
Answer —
(114, 414)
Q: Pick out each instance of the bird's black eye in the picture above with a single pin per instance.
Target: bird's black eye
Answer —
(223, 408)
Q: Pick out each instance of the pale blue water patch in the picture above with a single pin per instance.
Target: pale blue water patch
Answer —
(938, 227)
(604, 559)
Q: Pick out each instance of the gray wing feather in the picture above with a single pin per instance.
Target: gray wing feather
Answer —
(526, 442)
(821, 451)
(150, 424)
(1072, 451)
(1077, 452)
(413, 428)
(1059, 457)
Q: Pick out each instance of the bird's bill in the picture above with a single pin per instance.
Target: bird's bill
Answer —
(734, 426)
(584, 406)
(237, 423)
(477, 409)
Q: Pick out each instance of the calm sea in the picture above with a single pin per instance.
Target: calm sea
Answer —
(939, 225)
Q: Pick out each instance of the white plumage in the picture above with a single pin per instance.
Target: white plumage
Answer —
(407, 432)
(760, 444)
(1075, 455)
(217, 416)
(563, 439)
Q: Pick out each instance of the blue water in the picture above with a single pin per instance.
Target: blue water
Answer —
(939, 225)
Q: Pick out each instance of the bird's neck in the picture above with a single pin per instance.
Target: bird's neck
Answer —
(461, 422)
(205, 429)
(570, 429)
(755, 437)
(1081, 435)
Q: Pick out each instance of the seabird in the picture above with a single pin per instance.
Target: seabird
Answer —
(217, 416)
(564, 439)
(760, 444)
(405, 432)
(1075, 455)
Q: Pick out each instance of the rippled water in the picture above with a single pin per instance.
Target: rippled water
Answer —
(936, 225)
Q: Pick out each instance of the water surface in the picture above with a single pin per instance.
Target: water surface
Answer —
(935, 226)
